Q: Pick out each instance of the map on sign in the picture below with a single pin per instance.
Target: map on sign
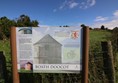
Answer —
(49, 49)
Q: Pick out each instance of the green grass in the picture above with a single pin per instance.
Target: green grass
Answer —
(5, 47)
(96, 67)
(96, 36)
(25, 71)
(99, 35)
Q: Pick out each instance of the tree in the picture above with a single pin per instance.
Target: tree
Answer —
(65, 26)
(34, 23)
(25, 21)
(90, 28)
(22, 21)
(5, 25)
(103, 27)
(82, 25)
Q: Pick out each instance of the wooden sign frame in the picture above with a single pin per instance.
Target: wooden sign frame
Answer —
(85, 55)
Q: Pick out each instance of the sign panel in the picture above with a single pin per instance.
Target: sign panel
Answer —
(49, 49)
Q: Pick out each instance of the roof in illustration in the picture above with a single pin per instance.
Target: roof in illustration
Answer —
(47, 39)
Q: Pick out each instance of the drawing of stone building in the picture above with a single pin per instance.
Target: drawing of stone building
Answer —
(48, 51)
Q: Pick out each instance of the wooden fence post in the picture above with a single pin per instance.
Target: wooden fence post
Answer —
(14, 56)
(85, 54)
(3, 70)
(108, 61)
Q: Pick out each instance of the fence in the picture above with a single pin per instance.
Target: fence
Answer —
(101, 64)
(3, 71)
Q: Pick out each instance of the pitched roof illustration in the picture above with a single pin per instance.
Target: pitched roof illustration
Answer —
(47, 39)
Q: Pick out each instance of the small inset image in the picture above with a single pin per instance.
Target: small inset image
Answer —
(26, 65)
(25, 30)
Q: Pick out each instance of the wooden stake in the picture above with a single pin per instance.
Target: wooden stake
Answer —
(108, 61)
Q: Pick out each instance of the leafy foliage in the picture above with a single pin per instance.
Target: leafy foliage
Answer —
(22, 21)
(103, 27)
(5, 25)
(25, 21)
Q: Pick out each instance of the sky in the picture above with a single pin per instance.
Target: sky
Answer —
(93, 13)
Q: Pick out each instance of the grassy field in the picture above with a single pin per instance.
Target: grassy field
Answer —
(96, 58)
(99, 35)
(96, 37)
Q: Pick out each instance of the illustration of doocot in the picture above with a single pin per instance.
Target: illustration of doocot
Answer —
(48, 51)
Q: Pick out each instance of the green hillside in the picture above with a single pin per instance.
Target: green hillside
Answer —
(96, 72)
(99, 35)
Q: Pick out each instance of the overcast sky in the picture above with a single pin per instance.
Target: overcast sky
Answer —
(93, 13)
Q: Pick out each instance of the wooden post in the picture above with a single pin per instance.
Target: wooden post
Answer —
(85, 54)
(108, 61)
(3, 70)
(14, 56)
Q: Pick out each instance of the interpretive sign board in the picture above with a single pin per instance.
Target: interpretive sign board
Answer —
(49, 49)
